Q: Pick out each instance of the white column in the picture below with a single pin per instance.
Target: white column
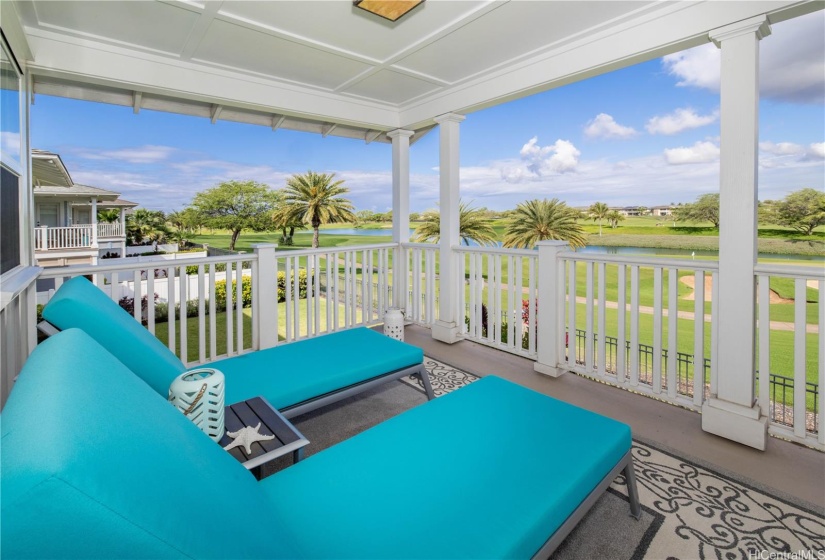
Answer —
(548, 341)
(265, 296)
(732, 412)
(123, 224)
(400, 211)
(94, 222)
(446, 328)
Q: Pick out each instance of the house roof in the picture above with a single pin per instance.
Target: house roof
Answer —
(48, 169)
(328, 67)
(119, 203)
(75, 191)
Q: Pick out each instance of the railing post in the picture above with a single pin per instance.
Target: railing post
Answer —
(547, 309)
(94, 223)
(400, 211)
(44, 238)
(265, 295)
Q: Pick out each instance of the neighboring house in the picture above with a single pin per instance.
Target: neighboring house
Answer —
(662, 210)
(66, 225)
(628, 210)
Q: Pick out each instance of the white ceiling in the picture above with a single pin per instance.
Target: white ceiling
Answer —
(313, 64)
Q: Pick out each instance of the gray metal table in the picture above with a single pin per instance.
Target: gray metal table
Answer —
(248, 413)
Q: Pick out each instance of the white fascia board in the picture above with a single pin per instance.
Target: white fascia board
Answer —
(675, 27)
(71, 58)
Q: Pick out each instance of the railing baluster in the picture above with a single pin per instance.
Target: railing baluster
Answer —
(310, 315)
(480, 295)
(588, 319)
(114, 285)
(336, 291)
(184, 308)
(517, 309)
(634, 325)
(657, 330)
(601, 360)
(430, 318)
(416, 284)
(365, 318)
(368, 305)
(170, 309)
(714, 332)
(699, 338)
(799, 357)
(201, 315)
(150, 292)
(137, 300)
(764, 322)
(572, 340)
(493, 299)
(621, 349)
(821, 377)
(672, 330)
(230, 331)
(316, 283)
(239, 307)
(213, 321)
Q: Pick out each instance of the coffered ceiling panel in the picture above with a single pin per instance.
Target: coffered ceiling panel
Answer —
(508, 32)
(363, 33)
(391, 86)
(152, 25)
(240, 48)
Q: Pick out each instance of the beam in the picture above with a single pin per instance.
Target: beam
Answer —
(277, 121)
(371, 135)
(137, 98)
(327, 129)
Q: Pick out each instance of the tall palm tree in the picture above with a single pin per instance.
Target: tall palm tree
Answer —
(537, 220)
(314, 199)
(473, 224)
(614, 217)
(599, 211)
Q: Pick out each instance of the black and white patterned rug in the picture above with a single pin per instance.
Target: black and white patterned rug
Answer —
(689, 510)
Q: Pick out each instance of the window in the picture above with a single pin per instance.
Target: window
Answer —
(10, 158)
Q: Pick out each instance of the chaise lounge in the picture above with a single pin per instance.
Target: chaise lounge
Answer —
(96, 464)
(295, 378)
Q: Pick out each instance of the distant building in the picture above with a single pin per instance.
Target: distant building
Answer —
(628, 210)
(663, 210)
(67, 229)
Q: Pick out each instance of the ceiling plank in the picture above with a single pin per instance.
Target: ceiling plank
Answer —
(200, 28)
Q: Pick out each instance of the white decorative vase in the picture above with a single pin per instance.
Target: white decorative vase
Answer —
(199, 394)
(394, 323)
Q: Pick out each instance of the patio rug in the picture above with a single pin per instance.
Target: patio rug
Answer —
(689, 509)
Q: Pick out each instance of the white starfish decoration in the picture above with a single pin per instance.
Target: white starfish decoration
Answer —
(246, 436)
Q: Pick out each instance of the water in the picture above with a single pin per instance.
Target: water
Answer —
(631, 251)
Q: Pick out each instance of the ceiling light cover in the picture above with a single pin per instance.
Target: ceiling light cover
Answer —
(388, 9)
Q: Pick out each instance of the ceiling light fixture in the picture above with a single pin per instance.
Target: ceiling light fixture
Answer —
(392, 10)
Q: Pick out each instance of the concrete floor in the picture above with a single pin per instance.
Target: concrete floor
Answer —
(794, 470)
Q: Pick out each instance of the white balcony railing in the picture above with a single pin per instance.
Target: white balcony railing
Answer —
(114, 229)
(70, 237)
(73, 237)
(643, 324)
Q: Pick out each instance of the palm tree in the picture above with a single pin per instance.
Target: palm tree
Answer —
(598, 211)
(314, 199)
(109, 216)
(537, 220)
(145, 224)
(614, 217)
(473, 224)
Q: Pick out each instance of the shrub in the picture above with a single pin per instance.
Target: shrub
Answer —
(128, 303)
(246, 293)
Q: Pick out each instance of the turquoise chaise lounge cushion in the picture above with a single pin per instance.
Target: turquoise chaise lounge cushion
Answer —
(310, 368)
(286, 375)
(80, 304)
(488, 471)
(96, 465)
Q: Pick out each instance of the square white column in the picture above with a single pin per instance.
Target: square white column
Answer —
(400, 211)
(446, 328)
(94, 222)
(732, 412)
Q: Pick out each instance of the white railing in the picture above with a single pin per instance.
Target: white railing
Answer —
(283, 295)
(421, 303)
(655, 345)
(70, 237)
(501, 311)
(795, 322)
(325, 290)
(114, 229)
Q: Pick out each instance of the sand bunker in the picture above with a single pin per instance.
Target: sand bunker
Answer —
(689, 281)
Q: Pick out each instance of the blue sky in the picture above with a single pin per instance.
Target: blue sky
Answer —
(647, 134)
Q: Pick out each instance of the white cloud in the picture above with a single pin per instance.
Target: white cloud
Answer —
(817, 150)
(679, 120)
(142, 154)
(782, 148)
(700, 152)
(605, 126)
(791, 68)
(538, 161)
